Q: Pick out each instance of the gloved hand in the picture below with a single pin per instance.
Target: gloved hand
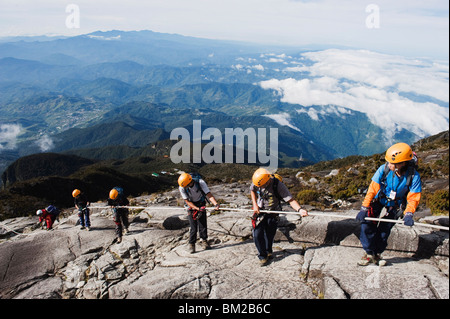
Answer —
(408, 219)
(362, 213)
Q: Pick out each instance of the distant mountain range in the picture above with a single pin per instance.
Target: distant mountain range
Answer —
(108, 91)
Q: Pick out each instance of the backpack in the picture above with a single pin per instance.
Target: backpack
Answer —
(196, 177)
(53, 210)
(120, 191)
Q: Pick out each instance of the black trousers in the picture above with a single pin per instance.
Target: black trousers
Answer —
(264, 234)
(197, 221)
(374, 235)
(120, 217)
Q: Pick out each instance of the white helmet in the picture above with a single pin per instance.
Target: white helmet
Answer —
(39, 212)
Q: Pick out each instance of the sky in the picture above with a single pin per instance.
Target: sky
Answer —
(403, 27)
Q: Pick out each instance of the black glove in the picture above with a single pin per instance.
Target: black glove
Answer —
(362, 213)
(408, 219)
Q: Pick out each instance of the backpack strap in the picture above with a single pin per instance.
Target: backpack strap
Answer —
(385, 174)
(410, 175)
(410, 172)
(276, 193)
(197, 184)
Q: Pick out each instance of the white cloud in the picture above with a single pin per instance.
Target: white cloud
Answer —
(275, 60)
(240, 67)
(296, 69)
(283, 119)
(374, 84)
(382, 70)
(307, 92)
(45, 143)
(314, 113)
(258, 67)
(8, 136)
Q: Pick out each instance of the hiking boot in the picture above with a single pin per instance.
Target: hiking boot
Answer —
(269, 255)
(125, 231)
(82, 227)
(119, 240)
(206, 245)
(380, 261)
(263, 262)
(366, 260)
(88, 228)
(192, 248)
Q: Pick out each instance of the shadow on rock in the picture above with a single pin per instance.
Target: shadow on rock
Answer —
(337, 231)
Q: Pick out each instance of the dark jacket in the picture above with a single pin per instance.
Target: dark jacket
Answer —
(119, 201)
(81, 201)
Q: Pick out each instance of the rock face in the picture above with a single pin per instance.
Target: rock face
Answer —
(314, 257)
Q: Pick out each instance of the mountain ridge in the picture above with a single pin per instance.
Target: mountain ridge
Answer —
(322, 184)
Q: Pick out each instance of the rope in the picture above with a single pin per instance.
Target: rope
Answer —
(25, 234)
(11, 230)
(262, 211)
(29, 234)
(343, 217)
(287, 213)
(401, 222)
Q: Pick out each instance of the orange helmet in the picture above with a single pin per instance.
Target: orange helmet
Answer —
(400, 152)
(260, 177)
(113, 193)
(184, 180)
(76, 192)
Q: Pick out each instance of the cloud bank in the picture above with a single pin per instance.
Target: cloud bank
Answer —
(395, 92)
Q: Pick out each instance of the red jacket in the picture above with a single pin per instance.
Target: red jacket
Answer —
(49, 218)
